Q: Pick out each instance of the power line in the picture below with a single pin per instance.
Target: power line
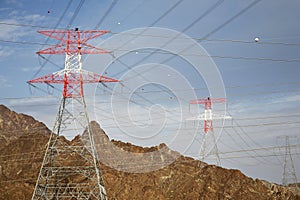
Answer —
(149, 35)
(46, 60)
(179, 54)
(162, 16)
(185, 29)
(283, 147)
(247, 42)
(114, 2)
(42, 65)
(146, 165)
(232, 18)
(23, 42)
(152, 100)
(243, 156)
(22, 158)
(207, 12)
(257, 156)
(76, 12)
(166, 12)
(259, 149)
(245, 142)
(269, 117)
(206, 36)
(131, 12)
(152, 52)
(23, 25)
(245, 133)
(200, 88)
(161, 98)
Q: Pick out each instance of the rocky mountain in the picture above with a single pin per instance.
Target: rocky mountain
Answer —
(23, 141)
(13, 126)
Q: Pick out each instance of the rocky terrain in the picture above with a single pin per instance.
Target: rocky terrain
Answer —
(23, 141)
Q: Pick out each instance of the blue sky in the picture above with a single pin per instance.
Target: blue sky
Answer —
(261, 79)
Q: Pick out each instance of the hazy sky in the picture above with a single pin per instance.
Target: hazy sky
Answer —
(260, 78)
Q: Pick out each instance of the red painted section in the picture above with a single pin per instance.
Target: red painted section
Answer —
(73, 42)
(208, 125)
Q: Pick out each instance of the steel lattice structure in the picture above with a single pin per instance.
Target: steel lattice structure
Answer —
(71, 170)
(289, 173)
(208, 117)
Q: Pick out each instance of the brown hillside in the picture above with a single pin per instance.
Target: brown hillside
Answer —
(24, 141)
(14, 125)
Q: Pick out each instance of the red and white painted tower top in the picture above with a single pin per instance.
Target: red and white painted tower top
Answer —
(208, 115)
(73, 43)
(208, 101)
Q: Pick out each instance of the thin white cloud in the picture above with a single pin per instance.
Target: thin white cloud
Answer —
(269, 105)
(30, 69)
(4, 9)
(6, 51)
(291, 98)
(14, 2)
(34, 101)
(34, 17)
(4, 82)
(41, 108)
(11, 32)
(17, 33)
(14, 13)
(7, 32)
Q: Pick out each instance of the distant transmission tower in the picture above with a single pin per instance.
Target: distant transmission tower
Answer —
(71, 171)
(208, 117)
(289, 173)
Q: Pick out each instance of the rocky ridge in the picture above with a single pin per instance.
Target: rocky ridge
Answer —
(23, 141)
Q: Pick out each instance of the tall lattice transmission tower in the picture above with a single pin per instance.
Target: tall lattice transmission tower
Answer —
(71, 170)
(209, 136)
(289, 173)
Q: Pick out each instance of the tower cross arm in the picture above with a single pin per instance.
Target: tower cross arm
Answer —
(65, 35)
(91, 77)
(62, 77)
(73, 41)
(73, 48)
(208, 100)
(56, 77)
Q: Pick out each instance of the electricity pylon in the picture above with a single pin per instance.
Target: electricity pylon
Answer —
(208, 118)
(71, 170)
(289, 173)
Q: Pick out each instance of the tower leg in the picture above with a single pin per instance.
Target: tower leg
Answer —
(215, 151)
(209, 149)
(70, 170)
(202, 153)
(289, 173)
